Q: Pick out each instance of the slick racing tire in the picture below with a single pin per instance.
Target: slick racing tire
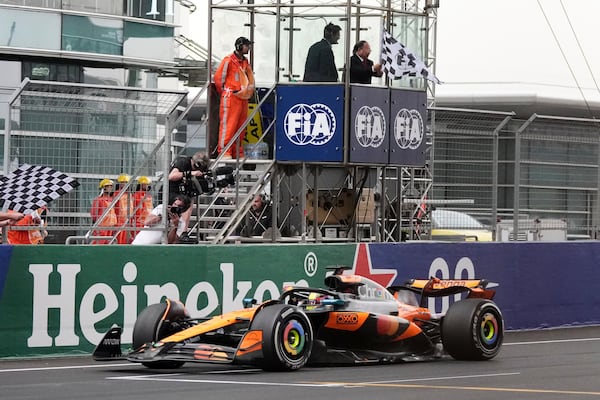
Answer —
(287, 337)
(473, 329)
(149, 327)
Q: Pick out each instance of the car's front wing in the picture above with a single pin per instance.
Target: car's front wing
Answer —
(248, 351)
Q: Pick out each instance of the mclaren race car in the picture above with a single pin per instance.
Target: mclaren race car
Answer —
(352, 321)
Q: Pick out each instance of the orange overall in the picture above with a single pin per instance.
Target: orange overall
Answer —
(34, 236)
(234, 81)
(99, 204)
(142, 204)
(123, 209)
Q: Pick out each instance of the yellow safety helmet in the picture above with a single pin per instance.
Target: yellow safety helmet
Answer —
(105, 182)
(123, 178)
(144, 180)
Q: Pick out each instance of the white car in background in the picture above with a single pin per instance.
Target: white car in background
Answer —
(457, 226)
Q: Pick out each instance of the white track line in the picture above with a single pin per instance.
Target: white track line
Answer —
(164, 378)
(104, 365)
(437, 378)
(160, 378)
(550, 341)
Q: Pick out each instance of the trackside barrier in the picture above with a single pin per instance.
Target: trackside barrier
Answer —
(58, 300)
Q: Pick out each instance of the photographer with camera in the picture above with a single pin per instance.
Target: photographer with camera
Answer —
(183, 169)
(191, 176)
(176, 209)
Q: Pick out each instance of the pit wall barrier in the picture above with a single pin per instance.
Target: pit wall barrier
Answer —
(59, 300)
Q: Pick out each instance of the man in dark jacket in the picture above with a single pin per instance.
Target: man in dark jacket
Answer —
(361, 68)
(258, 219)
(320, 63)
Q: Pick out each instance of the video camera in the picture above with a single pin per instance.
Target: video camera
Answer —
(208, 183)
(222, 176)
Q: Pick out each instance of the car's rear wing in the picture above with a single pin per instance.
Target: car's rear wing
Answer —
(436, 287)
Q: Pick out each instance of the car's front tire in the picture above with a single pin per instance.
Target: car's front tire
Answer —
(287, 337)
(150, 327)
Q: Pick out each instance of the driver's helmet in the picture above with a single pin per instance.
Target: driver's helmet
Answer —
(313, 301)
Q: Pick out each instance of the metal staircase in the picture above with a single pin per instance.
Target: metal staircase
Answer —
(218, 215)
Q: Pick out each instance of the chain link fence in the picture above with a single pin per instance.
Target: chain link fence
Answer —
(89, 133)
(549, 193)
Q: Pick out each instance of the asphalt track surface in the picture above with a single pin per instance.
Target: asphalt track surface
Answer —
(558, 364)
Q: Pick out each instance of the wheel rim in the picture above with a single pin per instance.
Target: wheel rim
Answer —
(294, 338)
(489, 330)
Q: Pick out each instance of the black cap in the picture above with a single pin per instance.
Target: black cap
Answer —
(242, 41)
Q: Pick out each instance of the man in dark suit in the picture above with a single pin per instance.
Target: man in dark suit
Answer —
(361, 68)
(320, 63)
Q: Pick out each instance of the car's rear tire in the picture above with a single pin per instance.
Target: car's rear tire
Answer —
(473, 329)
(287, 337)
(149, 327)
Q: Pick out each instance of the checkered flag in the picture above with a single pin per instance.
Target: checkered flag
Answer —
(398, 61)
(30, 187)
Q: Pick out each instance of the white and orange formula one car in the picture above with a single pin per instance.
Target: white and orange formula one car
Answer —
(354, 320)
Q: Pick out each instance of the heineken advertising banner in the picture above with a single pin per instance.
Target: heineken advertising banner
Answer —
(58, 300)
(310, 123)
(61, 299)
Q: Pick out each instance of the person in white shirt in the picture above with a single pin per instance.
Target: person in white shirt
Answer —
(179, 204)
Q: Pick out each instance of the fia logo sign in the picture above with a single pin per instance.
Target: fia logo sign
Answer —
(408, 129)
(369, 126)
(309, 124)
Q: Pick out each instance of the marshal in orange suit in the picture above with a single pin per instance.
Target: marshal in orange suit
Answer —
(234, 81)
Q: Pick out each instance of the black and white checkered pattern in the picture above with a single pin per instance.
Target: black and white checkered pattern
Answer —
(398, 61)
(30, 187)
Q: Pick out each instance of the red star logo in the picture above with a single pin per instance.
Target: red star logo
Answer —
(363, 267)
